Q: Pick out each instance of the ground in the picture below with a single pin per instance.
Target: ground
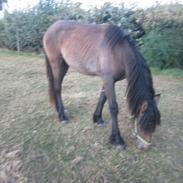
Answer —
(35, 148)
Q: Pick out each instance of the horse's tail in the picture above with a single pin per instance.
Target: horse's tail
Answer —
(51, 90)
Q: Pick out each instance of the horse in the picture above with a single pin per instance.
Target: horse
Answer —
(106, 51)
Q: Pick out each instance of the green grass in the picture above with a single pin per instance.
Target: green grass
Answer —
(49, 153)
(177, 73)
(9, 53)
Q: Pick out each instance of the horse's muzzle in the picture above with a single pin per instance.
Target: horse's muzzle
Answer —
(142, 146)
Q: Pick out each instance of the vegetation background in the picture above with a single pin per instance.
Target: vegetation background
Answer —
(34, 148)
(158, 30)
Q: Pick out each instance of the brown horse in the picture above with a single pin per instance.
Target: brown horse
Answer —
(104, 51)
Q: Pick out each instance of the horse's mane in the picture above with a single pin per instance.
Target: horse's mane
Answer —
(114, 35)
(140, 84)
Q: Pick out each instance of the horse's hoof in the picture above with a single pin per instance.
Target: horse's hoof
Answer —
(121, 147)
(100, 123)
(64, 122)
(66, 112)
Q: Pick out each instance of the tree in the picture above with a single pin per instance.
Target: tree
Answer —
(164, 49)
(1, 3)
(158, 30)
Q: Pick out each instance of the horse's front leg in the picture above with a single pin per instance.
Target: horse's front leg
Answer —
(115, 137)
(97, 116)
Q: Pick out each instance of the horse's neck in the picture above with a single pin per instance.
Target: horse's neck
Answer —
(139, 80)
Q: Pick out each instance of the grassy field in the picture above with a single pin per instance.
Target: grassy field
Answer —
(34, 148)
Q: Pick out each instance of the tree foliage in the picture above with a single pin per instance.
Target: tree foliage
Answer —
(164, 49)
(158, 30)
(1, 3)
(163, 42)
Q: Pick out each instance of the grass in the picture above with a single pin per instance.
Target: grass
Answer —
(174, 72)
(35, 148)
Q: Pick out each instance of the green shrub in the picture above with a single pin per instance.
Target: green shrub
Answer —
(163, 48)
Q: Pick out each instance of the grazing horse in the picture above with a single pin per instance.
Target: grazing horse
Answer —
(104, 51)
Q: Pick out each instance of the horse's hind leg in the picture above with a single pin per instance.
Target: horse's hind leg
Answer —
(97, 116)
(56, 69)
(58, 92)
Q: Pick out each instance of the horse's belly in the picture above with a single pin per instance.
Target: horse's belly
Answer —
(84, 66)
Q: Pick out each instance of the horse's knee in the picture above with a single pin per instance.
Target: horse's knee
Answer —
(57, 86)
(114, 108)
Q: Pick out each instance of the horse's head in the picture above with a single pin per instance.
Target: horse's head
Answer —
(146, 121)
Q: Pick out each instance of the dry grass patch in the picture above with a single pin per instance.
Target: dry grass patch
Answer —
(79, 151)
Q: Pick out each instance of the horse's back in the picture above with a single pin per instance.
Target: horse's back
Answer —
(65, 29)
(83, 46)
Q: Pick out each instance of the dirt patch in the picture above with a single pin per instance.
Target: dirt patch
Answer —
(11, 167)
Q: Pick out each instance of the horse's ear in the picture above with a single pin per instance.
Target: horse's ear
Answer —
(144, 107)
(157, 98)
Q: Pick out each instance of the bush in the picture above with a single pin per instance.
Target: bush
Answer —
(159, 29)
(163, 48)
(23, 30)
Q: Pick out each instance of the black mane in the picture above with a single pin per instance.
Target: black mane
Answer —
(138, 75)
(114, 35)
(140, 85)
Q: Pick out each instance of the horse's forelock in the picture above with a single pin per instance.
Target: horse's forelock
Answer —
(150, 119)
